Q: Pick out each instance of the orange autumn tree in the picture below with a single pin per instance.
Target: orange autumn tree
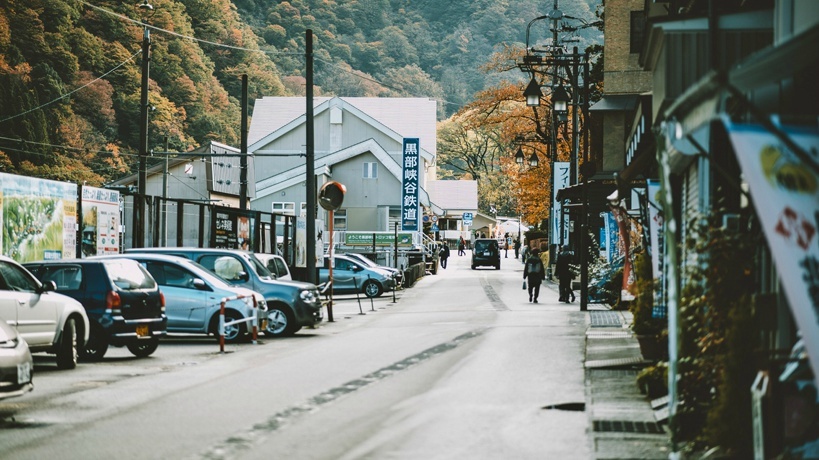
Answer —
(499, 115)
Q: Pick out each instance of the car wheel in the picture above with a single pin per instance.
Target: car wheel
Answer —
(473, 266)
(144, 348)
(372, 289)
(279, 322)
(67, 352)
(233, 333)
(97, 345)
(497, 267)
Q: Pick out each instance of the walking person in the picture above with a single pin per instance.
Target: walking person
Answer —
(444, 254)
(506, 246)
(461, 246)
(564, 273)
(534, 273)
(517, 247)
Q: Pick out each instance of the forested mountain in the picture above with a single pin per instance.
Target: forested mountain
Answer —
(70, 69)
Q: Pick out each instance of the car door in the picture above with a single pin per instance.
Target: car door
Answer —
(185, 305)
(344, 276)
(35, 315)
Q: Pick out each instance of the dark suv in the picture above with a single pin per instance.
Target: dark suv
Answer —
(291, 305)
(122, 301)
(486, 252)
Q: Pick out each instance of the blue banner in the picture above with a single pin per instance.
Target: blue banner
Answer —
(410, 184)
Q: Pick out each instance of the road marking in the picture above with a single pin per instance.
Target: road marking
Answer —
(493, 296)
(245, 439)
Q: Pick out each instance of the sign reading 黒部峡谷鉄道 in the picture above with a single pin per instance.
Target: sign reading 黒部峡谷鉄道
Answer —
(410, 185)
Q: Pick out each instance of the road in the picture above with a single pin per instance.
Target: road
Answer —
(460, 366)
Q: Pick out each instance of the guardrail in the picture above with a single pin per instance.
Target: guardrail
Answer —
(222, 324)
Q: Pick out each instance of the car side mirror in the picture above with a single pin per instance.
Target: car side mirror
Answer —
(356, 268)
(199, 284)
(49, 285)
(243, 276)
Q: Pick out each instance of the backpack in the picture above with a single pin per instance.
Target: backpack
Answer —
(534, 266)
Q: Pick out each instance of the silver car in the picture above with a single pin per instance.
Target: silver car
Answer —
(193, 296)
(351, 277)
(16, 364)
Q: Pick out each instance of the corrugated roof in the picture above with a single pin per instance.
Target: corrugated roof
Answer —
(454, 194)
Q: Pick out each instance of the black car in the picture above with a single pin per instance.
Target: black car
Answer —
(124, 304)
(486, 252)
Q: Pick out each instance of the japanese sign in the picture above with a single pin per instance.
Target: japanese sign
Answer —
(381, 239)
(410, 184)
(785, 194)
(657, 247)
(231, 228)
(38, 218)
(100, 221)
(560, 226)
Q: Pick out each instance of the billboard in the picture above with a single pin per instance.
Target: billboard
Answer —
(100, 222)
(38, 218)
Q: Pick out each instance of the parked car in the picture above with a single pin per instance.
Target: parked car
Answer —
(123, 302)
(193, 296)
(486, 252)
(396, 273)
(351, 277)
(291, 305)
(275, 264)
(16, 364)
(47, 321)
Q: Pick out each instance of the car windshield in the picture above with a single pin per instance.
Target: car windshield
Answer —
(259, 267)
(128, 275)
(483, 246)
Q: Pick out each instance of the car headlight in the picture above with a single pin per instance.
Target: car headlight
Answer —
(308, 296)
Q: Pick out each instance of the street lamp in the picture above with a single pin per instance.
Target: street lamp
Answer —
(560, 102)
(533, 93)
(533, 160)
(519, 156)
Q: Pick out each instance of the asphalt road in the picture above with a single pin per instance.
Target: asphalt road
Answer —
(460, 366)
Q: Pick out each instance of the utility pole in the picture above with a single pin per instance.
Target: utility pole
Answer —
(243, 154)
(309, 169)
(142, 173)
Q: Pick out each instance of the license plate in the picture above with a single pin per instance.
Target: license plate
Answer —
(23, 373)
(143, 331)
(487, 254)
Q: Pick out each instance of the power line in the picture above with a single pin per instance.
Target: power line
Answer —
(187, 37)
(75, 90)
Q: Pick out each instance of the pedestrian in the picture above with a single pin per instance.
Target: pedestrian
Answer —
(564, 274)
(461, 246)
(506, 246)
(517, 247)
(444, 254)
(534, 273)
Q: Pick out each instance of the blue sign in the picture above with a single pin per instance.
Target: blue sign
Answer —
(410, 185)
(467, 216)
(434, 227)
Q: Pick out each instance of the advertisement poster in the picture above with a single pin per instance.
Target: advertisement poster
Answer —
(657, 247)
(785, 193)
(100, 222)
(38, 218)
(231, 229)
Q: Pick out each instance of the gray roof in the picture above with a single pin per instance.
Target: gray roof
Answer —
(454, 194)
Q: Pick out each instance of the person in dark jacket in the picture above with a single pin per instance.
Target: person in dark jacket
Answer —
(444, 254)
(564, 273)
(534, 273)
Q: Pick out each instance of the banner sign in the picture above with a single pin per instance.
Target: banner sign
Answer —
(381, 239)
(38, 218)
(410, 184)
(561, 172)
(785, 194)
(624, 225)
(100, 222)
(657, 247)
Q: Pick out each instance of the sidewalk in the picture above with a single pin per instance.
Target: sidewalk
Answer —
(622, 421)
